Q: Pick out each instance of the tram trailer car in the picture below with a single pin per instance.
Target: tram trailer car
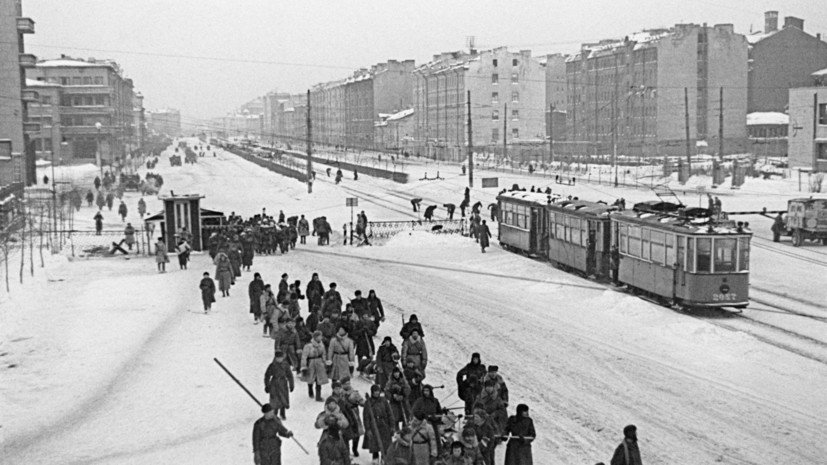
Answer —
(580, 236)
(682, 259)
(523, 222)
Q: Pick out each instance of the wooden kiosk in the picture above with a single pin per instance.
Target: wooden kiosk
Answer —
(183, 211)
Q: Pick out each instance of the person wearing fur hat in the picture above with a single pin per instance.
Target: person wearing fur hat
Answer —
(399, 406)
(469, 382)
(314, 293)
(351, 412)
(341, 355)
(429, 408)
(255, 290)
(400, 452)
(627, 453)
(378, 419)
(423, 440)
(313, 365)
(486, 434)
(386, 358)
(331, 416)
(520, 428)
(287, 340)
(414, 348)
(278, 382)
(472, 450)
(397, 380)
(332, 450)
(331, 301)
(266, 440)
(493, 406)
(413, 323)
(500, 387)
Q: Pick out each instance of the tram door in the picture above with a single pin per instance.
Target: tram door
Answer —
(591, 249)
(539, 231)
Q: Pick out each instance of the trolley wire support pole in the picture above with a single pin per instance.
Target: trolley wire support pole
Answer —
(721, 126)
(309, 148)
(470, 144)
(551, 135)
(686, 124)
(254, 399)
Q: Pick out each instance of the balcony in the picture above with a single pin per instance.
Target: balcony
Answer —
(27, 60)
(31, 128)
(25, 25)
(30, 95)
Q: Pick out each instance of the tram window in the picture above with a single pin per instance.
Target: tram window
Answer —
(724, 255)
(658, 249)
(670, 249)
(522, 219)
(623, 237)
(644, 244)
(743, 253)
(634, 241)
(681, 251)
(690, 254)
(560, 229)
(704, 259)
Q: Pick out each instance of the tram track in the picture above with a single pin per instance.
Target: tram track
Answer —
(765, 245)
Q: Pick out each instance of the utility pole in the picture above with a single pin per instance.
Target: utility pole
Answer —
(551, 134)
(721, 126)
(505, 129)
(309, 148)
(470, 144)
(686, 124)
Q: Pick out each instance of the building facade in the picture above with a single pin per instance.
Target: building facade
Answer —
(96, 106)
(16, 154)
(808, 128)
(44, 114)
(780, 59)
(165, 121)
(555, 66)
(396, 132)
(636, 92)
(508, 95)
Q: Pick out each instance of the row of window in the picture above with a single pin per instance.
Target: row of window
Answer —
(495, 134)
(514, 62)
(84, 100)
(515, 215)
(495, 78)
(495, 114)
(569, 229)
(75, 80)
(693, 254)
(83, 120)
(515, 97)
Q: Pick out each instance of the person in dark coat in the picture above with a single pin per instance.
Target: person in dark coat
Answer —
(627, 453)
(469, 382)
(122, 211)
(284, 288)
(520, 427)
(484, 234)
(428, 407)
(378, 419)
(254, 291)
(487, 435)
(360, 304)
(400, 452)
(350, 412)
(278, 382)
(386, 358)
(314, 293)
(413, 323)
(429, 212)
(98, 223)
(415, 204)
(331, 301)
(90, 198)
(375, 308)
(777, 227)
(266, 441)
(332, 450)
(449, 207)
(207, 287)
(362, 335)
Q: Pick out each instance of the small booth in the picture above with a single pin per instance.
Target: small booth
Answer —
(179, 213)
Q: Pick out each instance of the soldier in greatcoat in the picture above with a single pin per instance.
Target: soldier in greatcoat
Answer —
(278, 382)
(341, 355)
(379, 421)
(266, 441)
(313, 367)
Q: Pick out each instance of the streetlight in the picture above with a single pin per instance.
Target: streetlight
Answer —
(98, 153)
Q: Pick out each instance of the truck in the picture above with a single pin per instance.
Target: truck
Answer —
(806, 220)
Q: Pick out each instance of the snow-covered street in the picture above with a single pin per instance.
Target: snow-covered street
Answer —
(106, 361)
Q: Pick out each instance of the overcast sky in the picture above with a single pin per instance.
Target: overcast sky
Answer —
(206, 57)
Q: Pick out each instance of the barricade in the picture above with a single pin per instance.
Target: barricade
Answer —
(385, 229)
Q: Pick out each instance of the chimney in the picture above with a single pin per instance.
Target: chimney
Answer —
(770, 21)
(792, 21)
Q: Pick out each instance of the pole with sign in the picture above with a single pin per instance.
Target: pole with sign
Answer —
(351, 202)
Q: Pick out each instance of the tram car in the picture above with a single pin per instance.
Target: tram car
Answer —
(580, 236)
(667, 252)
(682, 257)
(523, 221)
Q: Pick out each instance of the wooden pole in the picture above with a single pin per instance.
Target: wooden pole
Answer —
(309, 148)
(470, 144)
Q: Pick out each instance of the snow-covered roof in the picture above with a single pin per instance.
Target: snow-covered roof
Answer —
(401, 114)
(540, 198)
(819, 73)
(767, 117)
(756, 37)
(65, 62)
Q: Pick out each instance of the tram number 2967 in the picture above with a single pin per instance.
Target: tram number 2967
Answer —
(728, 297)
